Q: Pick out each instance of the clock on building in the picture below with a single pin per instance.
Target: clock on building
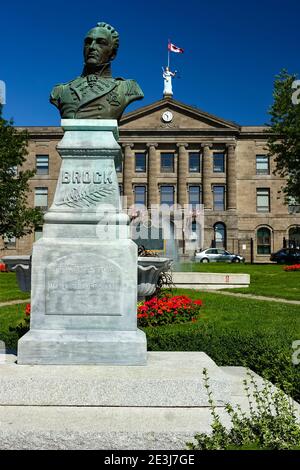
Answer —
(167, 116)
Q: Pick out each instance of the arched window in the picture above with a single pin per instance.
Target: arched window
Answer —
(294, 237)
(263, 241)
(220, 235)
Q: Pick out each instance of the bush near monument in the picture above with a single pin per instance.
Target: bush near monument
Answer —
(166, 310)
(271, 425)
(269, 355)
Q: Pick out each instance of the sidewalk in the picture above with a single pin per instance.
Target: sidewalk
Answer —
(14, 302)
(257, 297)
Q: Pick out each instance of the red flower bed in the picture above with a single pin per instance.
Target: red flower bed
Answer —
(27, 310)
(177, 309)
(3, 268)
(294, 267)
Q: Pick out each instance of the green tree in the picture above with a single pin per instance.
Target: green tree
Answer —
(284, 134)
(16, 218)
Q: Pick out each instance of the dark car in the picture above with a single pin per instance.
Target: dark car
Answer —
(286, 256)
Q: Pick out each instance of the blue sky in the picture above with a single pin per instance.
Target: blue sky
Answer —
(233, 50)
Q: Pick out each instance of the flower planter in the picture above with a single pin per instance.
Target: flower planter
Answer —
(149, 270)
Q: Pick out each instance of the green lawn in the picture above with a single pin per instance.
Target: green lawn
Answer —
(269, 280)
(9, 289)
(247, 314)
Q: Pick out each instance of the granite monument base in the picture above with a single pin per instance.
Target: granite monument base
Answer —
(84, 268)
(84, 297)
(158, 406)
(88, 347)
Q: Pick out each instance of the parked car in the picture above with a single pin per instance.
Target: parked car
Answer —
(217, 255)
(286, 256)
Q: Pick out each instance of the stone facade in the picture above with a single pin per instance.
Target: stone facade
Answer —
(229, 173)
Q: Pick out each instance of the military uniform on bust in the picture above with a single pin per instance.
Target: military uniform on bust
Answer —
(95, 96)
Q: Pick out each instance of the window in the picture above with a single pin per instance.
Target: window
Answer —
(41, 198)
(220, 235)
(194, 162)
(263, 200)
(119, 166)
(293, 206)
(121, 189)
(167, 162)
(167, 195)
(211, 251)
(294, 237)
(38, 233)
(262, 165)
(14, 170)
(140, 163)
(194, 232)
(10, 243)
(42, 164)
(218, 162)
(219, 198)
(263, 241)
(194, 195)
(140, 195)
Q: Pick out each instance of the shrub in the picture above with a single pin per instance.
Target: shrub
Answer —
(269, 355)
(271, 425)
(165, 310)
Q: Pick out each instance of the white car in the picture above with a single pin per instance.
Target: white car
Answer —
(215, 255)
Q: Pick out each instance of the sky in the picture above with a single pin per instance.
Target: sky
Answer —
(232, 52)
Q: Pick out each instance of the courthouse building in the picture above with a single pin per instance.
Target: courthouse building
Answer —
(177, 154)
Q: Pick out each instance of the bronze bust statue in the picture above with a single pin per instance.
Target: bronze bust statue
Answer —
(96, 94)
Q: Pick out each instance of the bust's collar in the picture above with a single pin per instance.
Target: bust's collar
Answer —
(103, 71)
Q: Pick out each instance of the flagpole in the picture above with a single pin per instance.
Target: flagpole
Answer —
(168, 54)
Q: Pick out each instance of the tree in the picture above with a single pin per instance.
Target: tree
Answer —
(284, 134)
(16, 218)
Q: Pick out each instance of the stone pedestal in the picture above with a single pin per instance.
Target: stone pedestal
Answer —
(84, 268)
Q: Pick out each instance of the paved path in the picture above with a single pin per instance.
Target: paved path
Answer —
(257, 297)
(221, 292)
(14, 302)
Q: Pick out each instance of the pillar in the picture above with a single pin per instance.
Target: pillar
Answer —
(128, 173)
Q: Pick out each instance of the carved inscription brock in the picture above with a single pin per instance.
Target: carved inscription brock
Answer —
(87, 177)
(83, 289)
(85, 188)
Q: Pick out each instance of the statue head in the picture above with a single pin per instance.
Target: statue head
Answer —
(100, 45)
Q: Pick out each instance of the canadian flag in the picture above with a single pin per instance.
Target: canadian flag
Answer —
(174, 48)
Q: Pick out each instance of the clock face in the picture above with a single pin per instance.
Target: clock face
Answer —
(167, 116)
